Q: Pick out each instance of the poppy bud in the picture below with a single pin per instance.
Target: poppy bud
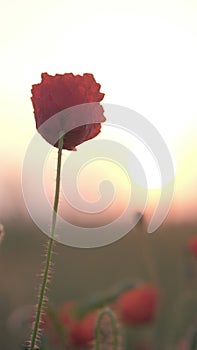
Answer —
(138, 305)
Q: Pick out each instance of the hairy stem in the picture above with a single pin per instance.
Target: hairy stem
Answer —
(114, 327)
(36, 326)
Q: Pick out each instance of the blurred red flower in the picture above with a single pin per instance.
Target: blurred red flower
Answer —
(183, 345)
(83, 331)
(138, 305)
(192, 245)
(57, 93)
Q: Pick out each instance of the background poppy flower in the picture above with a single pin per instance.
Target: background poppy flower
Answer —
(192, 245)
(138, 305)
(83, 331)
(62, 91)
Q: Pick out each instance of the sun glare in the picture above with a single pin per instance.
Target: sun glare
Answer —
(143, 56)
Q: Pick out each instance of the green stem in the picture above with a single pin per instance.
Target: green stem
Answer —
(34, 337)
(114, 326)
(193, 342)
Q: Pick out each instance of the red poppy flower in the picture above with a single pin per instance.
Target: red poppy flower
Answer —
(138, 305)
(61, 92)
(183, 345)
(83, 331)
(192, 245)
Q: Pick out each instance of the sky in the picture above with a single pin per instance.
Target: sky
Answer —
(143, 53)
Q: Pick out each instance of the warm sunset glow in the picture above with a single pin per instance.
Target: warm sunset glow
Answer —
(144, 56)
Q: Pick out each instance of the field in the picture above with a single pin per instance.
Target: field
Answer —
(161, 258)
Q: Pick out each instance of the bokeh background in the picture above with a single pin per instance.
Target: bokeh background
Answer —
(144, 56)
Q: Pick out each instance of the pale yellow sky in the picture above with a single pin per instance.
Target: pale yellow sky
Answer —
(143, 53)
